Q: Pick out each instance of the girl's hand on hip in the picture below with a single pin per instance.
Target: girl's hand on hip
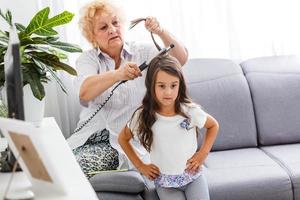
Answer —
(195, 162)
(153, 26)
(149, 170)
(129, 72)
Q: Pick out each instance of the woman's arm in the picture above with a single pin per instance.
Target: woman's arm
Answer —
(198, 158)
(179, 52)
(149, 170)
(95, 85)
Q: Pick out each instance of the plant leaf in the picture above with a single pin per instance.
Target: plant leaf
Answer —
(2, 57)
(60, 83)
(37, 24)
(2, 51)
(4, 39)
(53, 61)
(2, 78)
(2, 15)
(20, 27)
(7, 16)
(38, 41)
(41, 25)
(32, 77)
(61, 55)
(4, 34)
(60, 19)
(52, 39)
(3, 109)
(33, 40)
(66, 46)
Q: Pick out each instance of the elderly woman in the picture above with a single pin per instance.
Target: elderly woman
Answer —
(110, 61)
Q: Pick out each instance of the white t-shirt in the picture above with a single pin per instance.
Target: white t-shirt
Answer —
(172, 144)
(119, 109)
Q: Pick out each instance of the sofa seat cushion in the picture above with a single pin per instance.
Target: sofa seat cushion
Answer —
(128, 182)
(246, 174)
(118, 196)
(288, 156)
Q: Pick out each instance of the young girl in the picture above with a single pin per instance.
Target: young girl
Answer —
(166, 126)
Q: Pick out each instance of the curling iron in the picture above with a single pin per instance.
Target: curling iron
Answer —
(145, 64)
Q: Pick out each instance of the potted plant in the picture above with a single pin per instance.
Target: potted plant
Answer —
(41, 51)
(3, 110)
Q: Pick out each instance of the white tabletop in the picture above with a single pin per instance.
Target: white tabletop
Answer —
(75, 183)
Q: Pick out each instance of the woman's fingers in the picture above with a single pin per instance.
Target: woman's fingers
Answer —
(153, 25)
(132, 71)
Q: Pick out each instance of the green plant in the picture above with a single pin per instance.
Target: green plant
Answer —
(3, 109)
(41, 51)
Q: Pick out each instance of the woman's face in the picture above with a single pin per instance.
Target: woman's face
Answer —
(108, 31)
(166, 89)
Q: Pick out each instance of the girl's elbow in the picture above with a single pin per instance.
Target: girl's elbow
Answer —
(213, 124)
(216, 126)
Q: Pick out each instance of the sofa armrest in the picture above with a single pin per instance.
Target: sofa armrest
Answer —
(128, 182)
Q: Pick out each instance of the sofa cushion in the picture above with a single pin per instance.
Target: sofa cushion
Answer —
(220, 87)
(118, 196)
(128, 182)
(246, 174)
(288, 156)
(274, 84)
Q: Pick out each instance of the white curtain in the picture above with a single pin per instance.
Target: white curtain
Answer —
(233, 29)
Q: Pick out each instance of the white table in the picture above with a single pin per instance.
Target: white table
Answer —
(78, 187)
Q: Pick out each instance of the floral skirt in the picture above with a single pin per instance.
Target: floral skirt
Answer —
(175, 181)
(97, 154)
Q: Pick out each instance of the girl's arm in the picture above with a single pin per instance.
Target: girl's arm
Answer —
(149, 170)
(198, 158)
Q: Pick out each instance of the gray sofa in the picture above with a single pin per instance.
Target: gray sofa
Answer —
(257, 152)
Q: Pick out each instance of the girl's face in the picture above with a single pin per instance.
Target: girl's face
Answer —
(108, 31)
(166, 89)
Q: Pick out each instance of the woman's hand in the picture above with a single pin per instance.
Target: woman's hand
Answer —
(129, 72)
(153, 26)
(149, 170)
(195, 162)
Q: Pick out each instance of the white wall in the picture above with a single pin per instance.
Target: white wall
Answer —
(22, 10)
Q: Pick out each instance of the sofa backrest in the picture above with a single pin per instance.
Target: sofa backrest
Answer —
(220, 87)
(275, 87)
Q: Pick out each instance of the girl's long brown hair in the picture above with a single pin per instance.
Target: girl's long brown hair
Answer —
(150, 105)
